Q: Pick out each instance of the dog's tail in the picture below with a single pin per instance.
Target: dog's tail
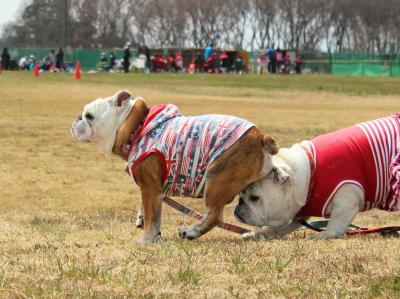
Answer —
(270, 144)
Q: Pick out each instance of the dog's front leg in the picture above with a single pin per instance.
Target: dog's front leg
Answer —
(152, 214)
(148, 175)
(140, 217)
(218, 192)
(343, 209)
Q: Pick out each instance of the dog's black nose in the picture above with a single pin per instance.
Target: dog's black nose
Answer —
(79, 117)
(237, 214)
(241, 201)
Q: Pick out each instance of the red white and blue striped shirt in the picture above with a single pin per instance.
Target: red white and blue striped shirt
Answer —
(366, 155)
(185, 146)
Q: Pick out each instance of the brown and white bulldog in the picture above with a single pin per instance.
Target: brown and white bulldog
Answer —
(112, 122)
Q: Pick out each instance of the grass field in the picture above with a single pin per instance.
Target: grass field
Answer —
(67, 213)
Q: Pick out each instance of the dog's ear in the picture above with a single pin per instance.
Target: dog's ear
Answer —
(270, 144)
(121, 98)
(280, 175)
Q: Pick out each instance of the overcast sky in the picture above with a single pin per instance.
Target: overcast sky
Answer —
(8, 10)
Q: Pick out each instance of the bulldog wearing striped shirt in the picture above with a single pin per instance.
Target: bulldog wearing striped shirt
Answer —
(210, 156)
(334, 175)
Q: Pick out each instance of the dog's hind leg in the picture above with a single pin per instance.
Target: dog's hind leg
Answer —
(216, 199)
(343, 208)
(140, 218)
(238, 167)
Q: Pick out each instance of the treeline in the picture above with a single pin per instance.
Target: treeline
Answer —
(304, 25)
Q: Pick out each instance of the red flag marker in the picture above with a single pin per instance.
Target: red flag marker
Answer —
(36, 69)
(78, 70)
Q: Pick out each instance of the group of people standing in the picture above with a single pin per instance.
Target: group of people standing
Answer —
(127, 57)
(277, 61)
(52, 61)
(107, 64)
(269, 61)
(212, 62)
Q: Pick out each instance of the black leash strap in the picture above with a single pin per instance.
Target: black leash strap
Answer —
(319, 226)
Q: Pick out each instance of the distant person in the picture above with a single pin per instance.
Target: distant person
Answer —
(31, 62)
(224, 62)
(239, 65)
(53, 59)
(279, 59)
(199, 63)
(60, 59)
(298, 63)
(179, 61)
(46, 64)
(262, 61)
(147, 65)
(272, 61)
(103, 63)
(127, 58)
(208, 51)
(112, 61)
(171, 63)
(23, 64)
(192, 67)
(211, 64)
(286, 62)
(5, 59)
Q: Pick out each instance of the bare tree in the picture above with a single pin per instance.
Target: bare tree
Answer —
(301, 23)
(263, 13)
(304, 25)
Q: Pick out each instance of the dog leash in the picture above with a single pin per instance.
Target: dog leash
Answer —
(319, 226)
(199, 216)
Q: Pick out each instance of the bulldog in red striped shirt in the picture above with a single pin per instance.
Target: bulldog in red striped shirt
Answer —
(334, 175)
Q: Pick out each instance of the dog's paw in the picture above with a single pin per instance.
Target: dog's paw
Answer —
(325, 235)
(249, 236)
(188, 233)
(149, 239)
(139, 222)
(265, 236)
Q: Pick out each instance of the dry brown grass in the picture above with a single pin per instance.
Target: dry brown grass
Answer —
(67, 213)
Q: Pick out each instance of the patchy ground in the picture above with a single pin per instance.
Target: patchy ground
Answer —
(67, 212)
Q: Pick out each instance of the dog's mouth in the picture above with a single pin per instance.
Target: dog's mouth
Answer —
(239, 215)
(81, 131)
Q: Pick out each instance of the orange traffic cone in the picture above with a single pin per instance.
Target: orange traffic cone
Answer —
(78, 70)
(36, 69)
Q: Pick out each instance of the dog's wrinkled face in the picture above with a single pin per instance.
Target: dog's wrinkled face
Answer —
(263, 202)
(100, 120)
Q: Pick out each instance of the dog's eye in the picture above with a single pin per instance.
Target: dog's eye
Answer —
(254, 198)
(89, 116)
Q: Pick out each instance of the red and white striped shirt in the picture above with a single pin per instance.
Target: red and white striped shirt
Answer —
(366, 155)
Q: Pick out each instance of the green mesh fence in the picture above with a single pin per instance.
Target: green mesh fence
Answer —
(365, 64)
(315, 62)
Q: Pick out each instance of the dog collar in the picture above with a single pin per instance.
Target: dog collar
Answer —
(311, 160)
(131, 140)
